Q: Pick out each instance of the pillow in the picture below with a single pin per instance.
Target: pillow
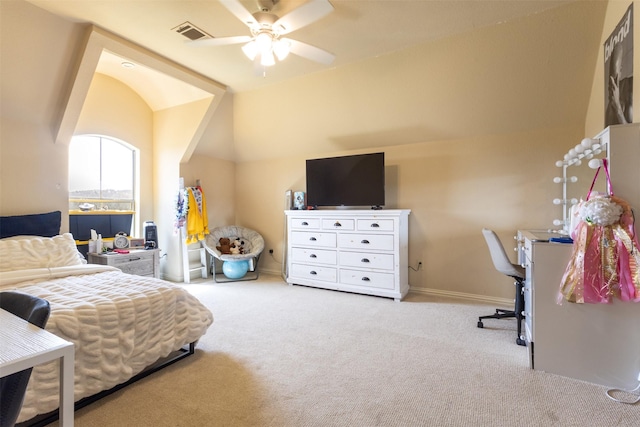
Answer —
(39, 252)
(45, 224)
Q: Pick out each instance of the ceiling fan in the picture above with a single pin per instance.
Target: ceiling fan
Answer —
(266, 42)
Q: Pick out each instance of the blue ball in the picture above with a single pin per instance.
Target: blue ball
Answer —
(235, 269)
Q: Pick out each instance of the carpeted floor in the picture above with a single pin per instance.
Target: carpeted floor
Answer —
(279, 355)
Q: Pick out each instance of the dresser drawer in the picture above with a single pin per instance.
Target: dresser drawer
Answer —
(315, 256)
(369, 279)
(315, 239)
(343, 224)
(366, 241)
(367, 260)
(140, 268)
(375, 225)
(313, 272)
(305, 223)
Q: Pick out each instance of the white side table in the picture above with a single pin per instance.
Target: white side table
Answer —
(25, 345)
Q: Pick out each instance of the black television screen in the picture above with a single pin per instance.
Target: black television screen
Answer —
(356, 180)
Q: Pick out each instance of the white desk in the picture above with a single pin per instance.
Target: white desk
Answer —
(597, 343)
(24, 345)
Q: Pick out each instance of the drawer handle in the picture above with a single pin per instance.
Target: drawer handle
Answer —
(313, 273)
(337, 224)
(375, 225)
(135, 259)
(313, 239)
(366, 279)
(365, 242)
(313, 256)
(364, 260)
(305, 223)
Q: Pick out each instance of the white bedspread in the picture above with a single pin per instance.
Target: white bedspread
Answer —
(119, 324)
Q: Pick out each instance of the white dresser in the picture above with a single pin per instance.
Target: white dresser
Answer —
(361, 251)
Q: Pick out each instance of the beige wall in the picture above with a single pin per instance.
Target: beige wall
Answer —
(453, 188)
(174, 130)
(33, 76)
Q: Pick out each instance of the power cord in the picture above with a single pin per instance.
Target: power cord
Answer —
(611, 391)
(416, 269)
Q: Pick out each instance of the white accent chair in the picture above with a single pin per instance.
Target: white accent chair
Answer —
(253, 247)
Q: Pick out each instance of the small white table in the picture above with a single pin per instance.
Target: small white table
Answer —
(23, 345)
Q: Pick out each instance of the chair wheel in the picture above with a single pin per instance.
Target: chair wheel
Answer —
(480, 325)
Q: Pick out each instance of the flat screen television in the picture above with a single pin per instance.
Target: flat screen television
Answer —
(356, 180)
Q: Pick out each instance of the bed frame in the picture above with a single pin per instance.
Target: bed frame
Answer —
(46, 419)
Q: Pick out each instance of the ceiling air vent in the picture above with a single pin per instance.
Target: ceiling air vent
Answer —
(190, 31)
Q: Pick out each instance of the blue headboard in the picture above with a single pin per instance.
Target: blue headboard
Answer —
(44, 224)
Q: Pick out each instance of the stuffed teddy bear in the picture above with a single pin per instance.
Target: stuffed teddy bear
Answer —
(225, 246)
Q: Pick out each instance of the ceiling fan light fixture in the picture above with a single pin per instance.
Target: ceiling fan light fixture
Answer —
(281, 48)
(251, 50)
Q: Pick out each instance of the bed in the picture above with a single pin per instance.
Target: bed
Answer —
(121, 325)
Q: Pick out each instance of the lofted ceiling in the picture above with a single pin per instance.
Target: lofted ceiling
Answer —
(354, 31)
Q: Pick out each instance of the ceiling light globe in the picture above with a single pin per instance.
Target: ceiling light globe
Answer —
(263, 41)
(267, 59)
(281, 48)
(250, 49)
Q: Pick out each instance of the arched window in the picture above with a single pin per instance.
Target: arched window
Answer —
(102, 174)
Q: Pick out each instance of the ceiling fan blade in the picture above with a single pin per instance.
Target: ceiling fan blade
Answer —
(302, 16)
(240, 12)
(310, 52)
(220, 41)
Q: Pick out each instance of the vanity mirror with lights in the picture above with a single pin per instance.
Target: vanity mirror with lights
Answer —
(620, 144)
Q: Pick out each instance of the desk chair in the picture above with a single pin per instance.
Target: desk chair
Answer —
(13, 387)
(502, 263)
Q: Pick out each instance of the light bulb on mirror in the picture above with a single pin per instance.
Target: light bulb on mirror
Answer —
(573, 179)
(574, 201)
(579, 148)
(557, 201)
(595, 163)
(587, 142)
(557, 180)
(558, 222)
(559, 163)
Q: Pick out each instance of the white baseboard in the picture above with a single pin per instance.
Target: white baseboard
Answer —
(461, 295)
(499, 302)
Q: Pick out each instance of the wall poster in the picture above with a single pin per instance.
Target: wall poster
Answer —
(618, 72)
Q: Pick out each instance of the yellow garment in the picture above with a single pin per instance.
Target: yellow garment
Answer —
(197, 221)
